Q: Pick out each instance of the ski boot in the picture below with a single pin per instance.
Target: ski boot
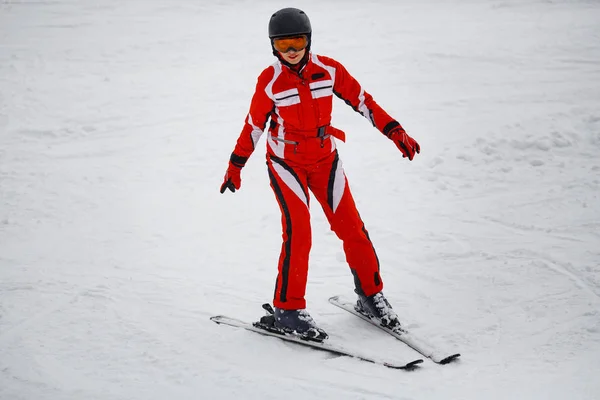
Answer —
(299, 322)
(378, 307)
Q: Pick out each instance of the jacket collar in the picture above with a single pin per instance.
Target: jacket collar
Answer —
(298, 68)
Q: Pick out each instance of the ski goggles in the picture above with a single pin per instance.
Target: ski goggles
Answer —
(296, 43)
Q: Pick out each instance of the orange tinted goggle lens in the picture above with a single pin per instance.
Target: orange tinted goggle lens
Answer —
(294, 43)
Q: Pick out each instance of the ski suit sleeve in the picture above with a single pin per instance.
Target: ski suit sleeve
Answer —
(256, 120)
(348, 89)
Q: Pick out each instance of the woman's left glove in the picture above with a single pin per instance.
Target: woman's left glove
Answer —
(233, 179)
(407, 145)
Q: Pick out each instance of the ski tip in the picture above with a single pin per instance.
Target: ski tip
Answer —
(410, 366)
(216, 318)
(413, 364)
(449, 359)
(334, 298)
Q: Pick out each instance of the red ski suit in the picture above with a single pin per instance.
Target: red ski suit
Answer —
(302, 155)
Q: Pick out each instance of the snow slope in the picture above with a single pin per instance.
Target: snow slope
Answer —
(116, 123)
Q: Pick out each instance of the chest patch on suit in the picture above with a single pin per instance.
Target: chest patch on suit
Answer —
(318, 75)
(321, 88)
(286, 98)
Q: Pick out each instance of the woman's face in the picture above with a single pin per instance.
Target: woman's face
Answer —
(292, 56)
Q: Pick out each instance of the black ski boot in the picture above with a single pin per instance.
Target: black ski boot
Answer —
(300, 323)
(377, 306)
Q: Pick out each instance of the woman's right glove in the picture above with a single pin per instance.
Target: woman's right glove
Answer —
(233, 179)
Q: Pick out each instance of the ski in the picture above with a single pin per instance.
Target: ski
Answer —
(323, 345)
(401, 334)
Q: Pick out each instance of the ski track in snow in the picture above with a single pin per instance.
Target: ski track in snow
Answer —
(116, 123)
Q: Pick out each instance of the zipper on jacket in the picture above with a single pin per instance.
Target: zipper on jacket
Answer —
(286, 142)
(323, 140)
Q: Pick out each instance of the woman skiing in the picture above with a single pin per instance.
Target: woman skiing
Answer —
(296, 94)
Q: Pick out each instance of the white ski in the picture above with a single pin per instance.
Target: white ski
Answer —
(325, 345)
(401, 334)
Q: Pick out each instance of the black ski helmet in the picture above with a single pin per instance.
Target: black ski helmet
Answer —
(289, 22)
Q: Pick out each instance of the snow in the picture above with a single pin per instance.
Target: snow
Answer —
(116, 123)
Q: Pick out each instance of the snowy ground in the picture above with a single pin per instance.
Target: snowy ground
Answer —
(117, 119)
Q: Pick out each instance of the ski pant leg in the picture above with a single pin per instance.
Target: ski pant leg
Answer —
(328, 183)
(290, 188)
